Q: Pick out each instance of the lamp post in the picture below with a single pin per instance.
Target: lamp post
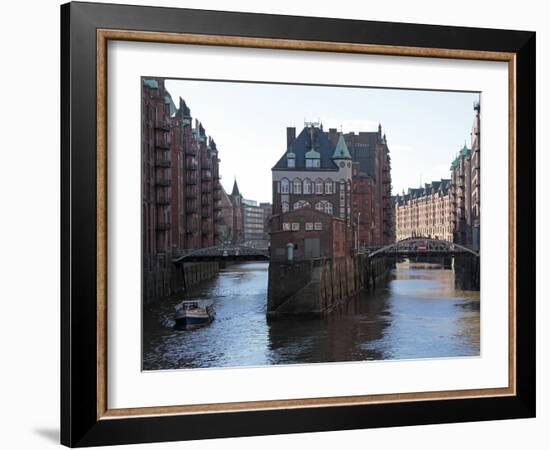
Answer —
(357, 235)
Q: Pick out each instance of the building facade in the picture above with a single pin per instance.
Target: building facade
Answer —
(372, 196)
(447, 209)
(311, 233)
(181, 192)
(313, 174)
(461, 192)
(475, 177)
(425, 212)
(254, 233)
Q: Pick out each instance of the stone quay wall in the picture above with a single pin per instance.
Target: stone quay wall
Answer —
(174, 279)
(317, 286)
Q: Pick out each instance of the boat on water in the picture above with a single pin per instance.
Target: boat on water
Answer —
(193, 314)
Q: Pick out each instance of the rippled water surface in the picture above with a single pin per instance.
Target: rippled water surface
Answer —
(417, 313)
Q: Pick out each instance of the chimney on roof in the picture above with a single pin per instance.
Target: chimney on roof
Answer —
(290, 136)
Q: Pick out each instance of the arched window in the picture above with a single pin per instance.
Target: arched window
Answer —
(285, 186)
(318, 186)
(328, 187)
(324, 206)
(301, 204)
(307, 186)
(285, 207)
(297, 186)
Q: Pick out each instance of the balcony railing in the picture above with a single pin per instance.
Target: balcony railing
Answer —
(191, 181)
(191, 166)
(164, 146)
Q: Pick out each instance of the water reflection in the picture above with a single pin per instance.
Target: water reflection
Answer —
(417, 314)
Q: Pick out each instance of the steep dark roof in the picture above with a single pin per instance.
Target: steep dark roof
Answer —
(235, 190)
(442, 186)
(302, 144)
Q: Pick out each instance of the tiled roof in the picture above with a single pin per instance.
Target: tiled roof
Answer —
(302, 145)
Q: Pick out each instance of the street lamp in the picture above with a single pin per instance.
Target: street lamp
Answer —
(357, 235)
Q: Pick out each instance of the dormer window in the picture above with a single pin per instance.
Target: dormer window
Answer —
(313, 159)
(291, 160)
(312, 163)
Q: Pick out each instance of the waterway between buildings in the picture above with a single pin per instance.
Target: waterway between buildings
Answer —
(417, 313)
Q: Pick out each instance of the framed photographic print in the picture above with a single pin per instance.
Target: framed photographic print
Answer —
(276, 224)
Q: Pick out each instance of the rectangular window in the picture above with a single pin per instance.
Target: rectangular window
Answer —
(286, 226)
(318, 226)
(295, 226)
(309, 226)
(291, 163)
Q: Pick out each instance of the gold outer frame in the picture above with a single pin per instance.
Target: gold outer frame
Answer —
(103, 36)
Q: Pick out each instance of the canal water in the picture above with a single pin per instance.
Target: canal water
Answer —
(416, 313)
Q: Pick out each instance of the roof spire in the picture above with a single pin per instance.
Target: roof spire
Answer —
(341, 151)
(235, 192)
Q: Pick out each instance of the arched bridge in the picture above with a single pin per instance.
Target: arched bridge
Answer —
(224, 252)
(423, 246)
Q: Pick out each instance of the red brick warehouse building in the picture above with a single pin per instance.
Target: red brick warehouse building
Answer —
(372, 196)
(181, 191)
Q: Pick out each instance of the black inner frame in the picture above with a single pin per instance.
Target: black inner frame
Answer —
(79, 424)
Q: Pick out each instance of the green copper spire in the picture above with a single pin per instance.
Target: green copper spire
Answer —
(465, 151)
(341, 151)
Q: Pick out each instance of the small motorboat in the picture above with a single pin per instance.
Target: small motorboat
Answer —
(193, 314)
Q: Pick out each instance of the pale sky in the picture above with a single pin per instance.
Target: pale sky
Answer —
(424, 129)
